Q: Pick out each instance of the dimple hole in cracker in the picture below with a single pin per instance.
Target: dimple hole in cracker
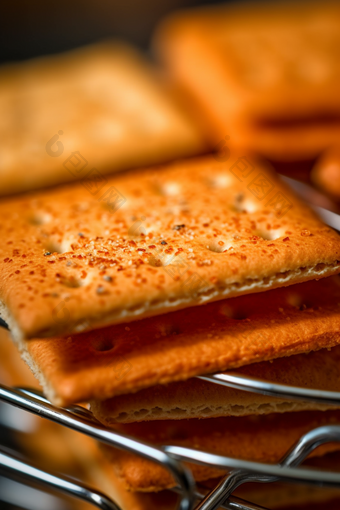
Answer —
(155, 261)
(169, 329)
(63, 246)
(71, 281)
(232, 313)
(220, 245)
(269, 235)
(220, 181)
(39, 218)
(177, 434)
(299, 302)
(103, 344)
(244, 204)
(52, 246)
(169, 189)
(140, 228)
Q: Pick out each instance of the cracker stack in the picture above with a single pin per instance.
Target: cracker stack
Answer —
(124, 291)
(190, 283)
(266, 75)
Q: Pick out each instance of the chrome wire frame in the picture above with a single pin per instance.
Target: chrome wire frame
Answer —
(284, 391)
(171, 457)
(16, 468)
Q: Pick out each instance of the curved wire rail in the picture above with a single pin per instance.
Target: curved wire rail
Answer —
(255, 385)
(14, 466)
(171, 457)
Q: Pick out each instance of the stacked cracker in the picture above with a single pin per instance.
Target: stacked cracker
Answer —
(124, 291)
(193, 275)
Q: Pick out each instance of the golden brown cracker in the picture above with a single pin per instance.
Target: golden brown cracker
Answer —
(220, 336)
(154, 241)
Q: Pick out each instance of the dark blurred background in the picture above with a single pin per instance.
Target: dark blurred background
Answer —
(32, 28)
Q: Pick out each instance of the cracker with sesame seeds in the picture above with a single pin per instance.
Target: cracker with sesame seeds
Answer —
(87, 112)
(219, 336)
(265, 75)
(228, 230)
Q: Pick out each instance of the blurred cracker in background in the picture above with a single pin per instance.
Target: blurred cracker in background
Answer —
(326, 172)
(92, 111)
(264, 74)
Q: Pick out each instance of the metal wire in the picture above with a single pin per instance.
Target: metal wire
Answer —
(247, 383)
(306, 192)
(171, 457)
(14, 467)
(93, 429)
(293, 457)
(233, 504)
(17, 469)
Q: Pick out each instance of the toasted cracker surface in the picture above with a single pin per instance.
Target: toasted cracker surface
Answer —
(153, 241)
(257, 438)
(100, 108)
(178, 346)
(265, 75)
